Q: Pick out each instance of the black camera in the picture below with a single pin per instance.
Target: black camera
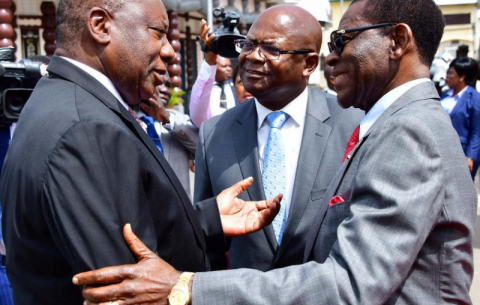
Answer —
(17, 81)
(226, 34)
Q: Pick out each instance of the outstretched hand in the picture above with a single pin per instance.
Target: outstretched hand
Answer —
(241, 217)
(147, 282)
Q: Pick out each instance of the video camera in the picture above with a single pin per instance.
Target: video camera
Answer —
(17, 81)
(226, 34)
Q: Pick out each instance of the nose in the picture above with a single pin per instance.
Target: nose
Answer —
(332, 58)
(166, 52)
(255, 55)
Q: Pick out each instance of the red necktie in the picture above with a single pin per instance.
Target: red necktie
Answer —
(351, 144)
(136, 118)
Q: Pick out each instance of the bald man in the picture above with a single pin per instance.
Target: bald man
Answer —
(315, 130)
(81, 166)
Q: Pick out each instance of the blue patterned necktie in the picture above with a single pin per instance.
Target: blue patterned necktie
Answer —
(273, 172)
(152, 132)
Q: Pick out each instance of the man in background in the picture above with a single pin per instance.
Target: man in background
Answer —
(242, 142)
(327, 72)
(172, 131)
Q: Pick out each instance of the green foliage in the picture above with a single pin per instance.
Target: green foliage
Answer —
(176, 98)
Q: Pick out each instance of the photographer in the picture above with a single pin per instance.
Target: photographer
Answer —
(212, 92)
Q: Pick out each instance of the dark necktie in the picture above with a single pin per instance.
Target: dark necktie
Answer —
(351, 144)
(223, 97)
(152, 132)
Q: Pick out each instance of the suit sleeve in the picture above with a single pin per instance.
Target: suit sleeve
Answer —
(389, 220)
(92, 188)
(206, 210)
(473, 147)
(201, 92)
(184, 131)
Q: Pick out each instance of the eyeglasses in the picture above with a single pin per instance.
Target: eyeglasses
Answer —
(268, 52)
(337, 37)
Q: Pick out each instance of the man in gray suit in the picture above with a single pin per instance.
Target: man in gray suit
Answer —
(179, 136)
(396, 224)
(233, 146)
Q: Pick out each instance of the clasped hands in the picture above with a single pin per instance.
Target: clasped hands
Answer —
(151, 279)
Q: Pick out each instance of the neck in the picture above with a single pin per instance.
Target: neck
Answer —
(458, 88)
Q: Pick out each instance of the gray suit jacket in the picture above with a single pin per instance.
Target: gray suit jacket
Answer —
(179, 146)
(404, 234)
(228, 153)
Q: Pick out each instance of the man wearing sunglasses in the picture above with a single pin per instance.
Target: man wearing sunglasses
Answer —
(396, 224)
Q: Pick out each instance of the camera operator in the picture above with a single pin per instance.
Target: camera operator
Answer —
(19, 77)
(213, 92)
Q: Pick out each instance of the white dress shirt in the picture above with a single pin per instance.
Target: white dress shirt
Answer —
(103, 79)
(450, 101)
(292, 134)
(386, 101)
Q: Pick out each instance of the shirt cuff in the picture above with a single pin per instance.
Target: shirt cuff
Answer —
(207, 71)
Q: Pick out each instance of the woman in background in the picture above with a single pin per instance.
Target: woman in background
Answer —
(462, 103)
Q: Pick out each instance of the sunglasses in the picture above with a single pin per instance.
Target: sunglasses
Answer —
(268, 52)
(338, 40)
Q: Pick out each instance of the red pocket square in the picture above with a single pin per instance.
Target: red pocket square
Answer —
(335, 200)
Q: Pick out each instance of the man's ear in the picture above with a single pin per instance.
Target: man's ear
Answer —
(401, 41)
(310, 64)
(99, 23)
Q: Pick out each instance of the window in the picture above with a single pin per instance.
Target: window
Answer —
(455, 19)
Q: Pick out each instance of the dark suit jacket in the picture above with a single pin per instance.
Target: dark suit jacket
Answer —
(80, 167)
(228, 152)
(403, 235)
(466, 121)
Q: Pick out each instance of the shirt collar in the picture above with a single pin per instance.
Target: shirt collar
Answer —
(459, 94)
(386, 101)
(296, 109)
(103, 79)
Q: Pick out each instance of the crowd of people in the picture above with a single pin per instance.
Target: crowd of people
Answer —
(360, 194)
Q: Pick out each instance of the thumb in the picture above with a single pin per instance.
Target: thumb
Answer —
(239, 187)
(136, 245)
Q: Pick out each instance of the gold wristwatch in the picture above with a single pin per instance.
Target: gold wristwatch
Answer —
(180, 294)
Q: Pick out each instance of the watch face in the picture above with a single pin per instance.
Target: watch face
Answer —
(177, 297)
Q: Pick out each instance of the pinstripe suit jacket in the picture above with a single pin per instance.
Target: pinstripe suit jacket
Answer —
(404, 234)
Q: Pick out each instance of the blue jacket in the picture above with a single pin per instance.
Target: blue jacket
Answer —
(466, 121)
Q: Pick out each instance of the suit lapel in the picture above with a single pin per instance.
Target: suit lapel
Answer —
(314, 142)
(244, 134)
(426, 91)
(460, 104)
(65, 69)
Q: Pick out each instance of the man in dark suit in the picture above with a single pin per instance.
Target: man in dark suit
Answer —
(234, 146)
(396, 224)
(80, 166)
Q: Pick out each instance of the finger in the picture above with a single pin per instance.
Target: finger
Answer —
(136, 245)
(267, 215)
(102, 295)
(239, 187)
(146, 108)
(263, 204)
(107, 275)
